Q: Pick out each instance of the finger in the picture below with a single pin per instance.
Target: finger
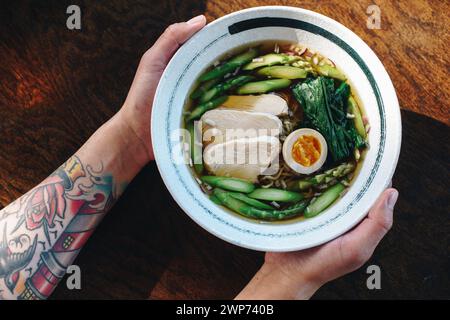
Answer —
(173, 37)
(378, 222)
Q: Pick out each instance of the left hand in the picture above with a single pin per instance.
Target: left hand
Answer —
(135, 113)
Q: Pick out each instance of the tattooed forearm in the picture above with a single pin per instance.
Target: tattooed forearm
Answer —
(42, 232)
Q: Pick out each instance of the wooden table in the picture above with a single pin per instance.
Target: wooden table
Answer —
(58, 86)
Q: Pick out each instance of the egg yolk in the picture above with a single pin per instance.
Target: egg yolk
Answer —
(306, 150)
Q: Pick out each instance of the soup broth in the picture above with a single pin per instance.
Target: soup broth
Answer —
(276, 132)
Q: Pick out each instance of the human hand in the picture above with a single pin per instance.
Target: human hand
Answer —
(135, 114)
(297, 275)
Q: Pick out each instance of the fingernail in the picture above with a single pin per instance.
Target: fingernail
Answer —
(392, 199)
(196, 19)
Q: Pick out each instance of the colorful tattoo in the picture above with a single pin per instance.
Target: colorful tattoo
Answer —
(59, 215)
(12, 262)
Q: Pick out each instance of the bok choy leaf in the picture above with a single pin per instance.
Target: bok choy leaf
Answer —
(325, 109)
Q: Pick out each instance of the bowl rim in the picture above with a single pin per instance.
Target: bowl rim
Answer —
(394, 108)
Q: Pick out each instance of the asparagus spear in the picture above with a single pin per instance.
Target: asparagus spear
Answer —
(326, 177)
(225, 86)
(283, 72)
(273, 194)
(250, 201)
(270, 60)
(232, 184)
(357, 120)
(201, 89)
(324, 200)
(246, 210)
(329, 71)
(230, 65)
(214, 199)
(203, 107)
(264, 86)
(196, 154)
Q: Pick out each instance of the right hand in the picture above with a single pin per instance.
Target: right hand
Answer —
(298, 275)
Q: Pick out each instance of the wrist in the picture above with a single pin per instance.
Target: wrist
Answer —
(272, 283)
(120, 148)
(115, 151)
(134, 135)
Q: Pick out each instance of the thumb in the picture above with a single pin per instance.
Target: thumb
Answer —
(380, 217)
(172, 38)
(363, 240)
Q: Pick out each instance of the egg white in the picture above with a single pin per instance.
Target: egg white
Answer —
(289, 143)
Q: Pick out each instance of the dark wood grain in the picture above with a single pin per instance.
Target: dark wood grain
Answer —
(58, 86)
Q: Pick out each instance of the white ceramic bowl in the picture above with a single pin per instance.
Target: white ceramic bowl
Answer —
(365, 72)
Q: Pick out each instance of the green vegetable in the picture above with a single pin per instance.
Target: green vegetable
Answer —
(330, 71)
(214, 199)
(325, 108)
(283, 72)
(201, 89)
(355, 140)
(324, 200)
(270, 60)
(272, 194)
(358, 141)
(357, 120)
(225, 86)
(327, 177)
(232, 184)
(196, 153)
(203, 107)
(250, 201)
(230, 65)
(264, 86)
(246, 210)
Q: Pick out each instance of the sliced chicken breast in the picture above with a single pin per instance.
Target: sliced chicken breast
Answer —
(222, 125)
(244, 158)
(268, 103)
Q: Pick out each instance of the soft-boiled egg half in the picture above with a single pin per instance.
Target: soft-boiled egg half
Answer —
(305, 150)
